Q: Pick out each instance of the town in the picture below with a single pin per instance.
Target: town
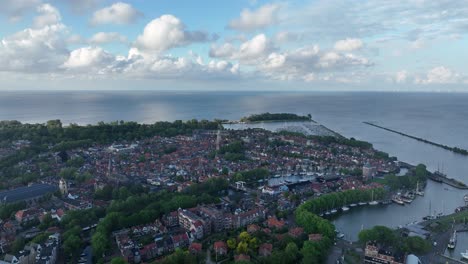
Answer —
(209, 195)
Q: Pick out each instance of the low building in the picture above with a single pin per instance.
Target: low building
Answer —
(27, 215)
(220, 247)
(265, 249)
(29, 194)
(376, 255)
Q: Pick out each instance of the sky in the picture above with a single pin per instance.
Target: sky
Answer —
(376, 45)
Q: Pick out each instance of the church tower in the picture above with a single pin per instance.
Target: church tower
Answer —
(63, 187)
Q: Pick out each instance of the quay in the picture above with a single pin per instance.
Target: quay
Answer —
(453, 149)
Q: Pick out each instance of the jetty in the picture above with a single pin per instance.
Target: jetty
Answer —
(453, 149)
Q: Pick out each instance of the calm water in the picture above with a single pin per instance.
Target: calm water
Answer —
(440, 117)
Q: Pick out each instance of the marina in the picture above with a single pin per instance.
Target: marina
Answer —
(395, 215)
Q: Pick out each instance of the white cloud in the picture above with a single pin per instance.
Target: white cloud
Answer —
(107, 37)
(439, 75)
(401, 76)
(119, 13)
(15, 9)
(88, 58)
(349, 44)
(310, 64)
(250, 20)
(167, 32)
(49, 15)
(252, 49)
(38, 49)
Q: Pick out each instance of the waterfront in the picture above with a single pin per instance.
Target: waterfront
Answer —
(437, 117)
(440, 198)
(462, 246)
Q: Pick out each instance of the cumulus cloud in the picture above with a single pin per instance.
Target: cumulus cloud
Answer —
(167, 32)
(439, 75)
(88, 58)
(38, 49)
(251, 20)
(349, 44)
(48, 15)
(119, 13)
(252, 49)
(309, 64)
(15, 9)
(107, 37)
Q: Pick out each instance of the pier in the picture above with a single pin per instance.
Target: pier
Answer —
(453, 149)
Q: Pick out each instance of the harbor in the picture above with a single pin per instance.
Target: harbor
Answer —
(437, 202)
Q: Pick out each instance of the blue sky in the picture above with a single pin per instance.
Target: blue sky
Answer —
(411, 45)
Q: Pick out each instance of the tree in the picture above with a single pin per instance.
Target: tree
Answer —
(18, 244)
(72, 246)
(232, 243)
(416, 245)
(99, 243)
(291, 251)
(242, 247)
(118, 261)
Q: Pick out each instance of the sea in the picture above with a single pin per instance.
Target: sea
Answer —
(439, 117)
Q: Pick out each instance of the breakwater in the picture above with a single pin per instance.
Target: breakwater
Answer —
(453, 149)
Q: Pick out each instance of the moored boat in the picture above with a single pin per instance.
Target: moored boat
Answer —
(397, 200)
(464, 254)
(453, 241)
(353, 205)
(345, 208)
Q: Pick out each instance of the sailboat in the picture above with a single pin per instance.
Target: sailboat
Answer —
(373, 202)
(345, 208)
(453, 240)
(464, 254)
(419, 192)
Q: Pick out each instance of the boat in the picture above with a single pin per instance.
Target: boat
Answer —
(345, 208)
(418, 191)
(362, 203)
(453, 241)
(396, 199)
(405, 199)
(334, 211)
(464, 254)
(353, 205)
(373, 202)
(465, 198)
(327, 213)
(340, 235)
(385, 202)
